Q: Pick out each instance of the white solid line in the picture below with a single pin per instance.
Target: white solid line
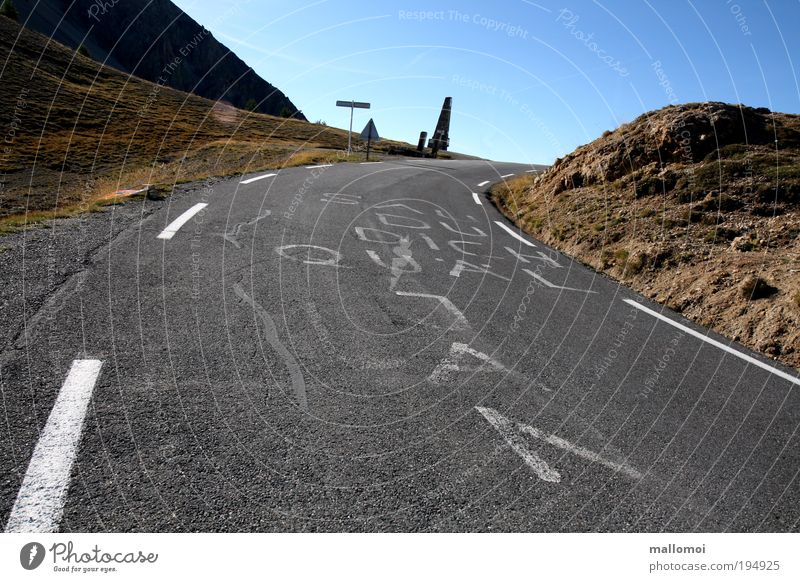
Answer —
(506, 175)
(553, 285)
(461, 321)
(483, 183)
(40, 501)
(320, 166)
(257, 178)
(176, 224)
(514, 234)
(713, 342)
(518, 444)
(476, 199)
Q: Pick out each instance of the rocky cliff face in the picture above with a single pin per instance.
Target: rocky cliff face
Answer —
(155, 40)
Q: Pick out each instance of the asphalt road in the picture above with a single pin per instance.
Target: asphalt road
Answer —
(364, 347)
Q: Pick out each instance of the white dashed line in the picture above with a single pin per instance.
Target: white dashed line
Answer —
(506, 175)
(531, 171)
(257, 178)
(476, 199)
(369, 163)
(320, 166)
(514, 234)
(715, 343)
(483, 183)
(40, 501)
(176, 224)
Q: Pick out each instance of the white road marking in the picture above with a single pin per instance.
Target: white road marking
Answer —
(514, 234)
(399, 206)
(232, 235)
(40, 501)
(370, 163)
(518, 444)
(176, 224)
(319, 166)
(429, 240)
(461, 323)
(476, 199)
(420, 224)
(461, 232)
(339, 198)
(483, 183)
(539, 256)
(506, 175)
(331, 262)
(462, 266)
(257, 178)
(547, 283)
(558, 442)
(454, 245)
(531, 171)
(451, 363)
(519, 256)
(440, 260)
(713, 342)
(295, 373)
(361, 233)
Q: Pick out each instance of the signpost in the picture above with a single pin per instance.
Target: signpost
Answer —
(352, 105)
(370, 134)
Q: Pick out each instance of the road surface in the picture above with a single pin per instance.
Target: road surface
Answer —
(369, 347)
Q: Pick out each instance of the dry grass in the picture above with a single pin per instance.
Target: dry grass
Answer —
(75, 131)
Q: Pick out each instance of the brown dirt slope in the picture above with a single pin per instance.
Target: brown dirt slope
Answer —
(696, 206)
(72, 130)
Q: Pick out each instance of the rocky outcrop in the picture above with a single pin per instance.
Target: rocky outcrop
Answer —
(155, 40)
(696, 206)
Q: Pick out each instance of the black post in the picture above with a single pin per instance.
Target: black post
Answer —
(369, 141)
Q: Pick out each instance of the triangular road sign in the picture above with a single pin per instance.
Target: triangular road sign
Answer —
(370, 132)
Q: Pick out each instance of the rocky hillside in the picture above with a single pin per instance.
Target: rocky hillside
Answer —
(696, 206)
(155, 40)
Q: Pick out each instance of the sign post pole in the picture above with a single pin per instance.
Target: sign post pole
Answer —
(352, 105)
(370, 133)
(350, 133)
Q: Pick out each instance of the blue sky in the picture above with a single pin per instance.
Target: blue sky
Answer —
(530, 81)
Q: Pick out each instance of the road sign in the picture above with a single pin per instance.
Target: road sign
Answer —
(356, 104)
(352, 105)
(370, 132)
